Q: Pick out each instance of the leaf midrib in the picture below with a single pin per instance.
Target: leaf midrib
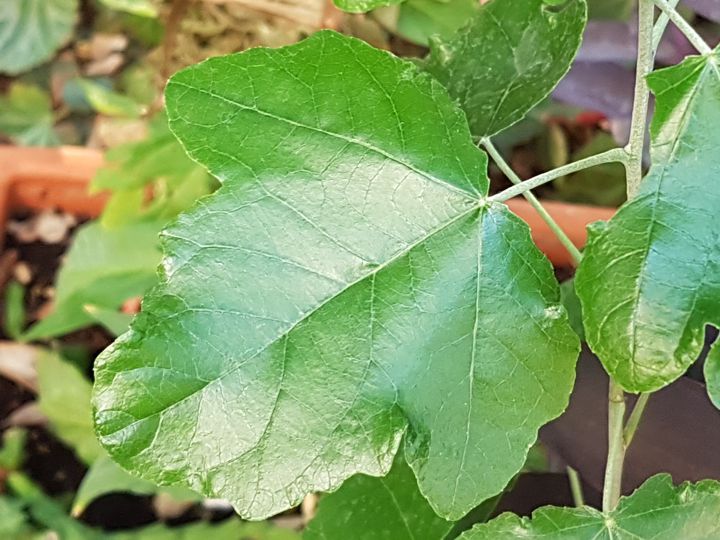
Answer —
(303, 317)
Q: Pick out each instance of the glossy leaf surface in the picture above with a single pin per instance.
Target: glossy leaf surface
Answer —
(348, 285)
(31, 31)
(386, 508)
(508, 58)
(650, 278)
(656, 511)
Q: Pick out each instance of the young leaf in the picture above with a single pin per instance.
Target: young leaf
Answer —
(65, 400)
(347, 285)
(650, 278)
(104, 268)
(657, 510)
(109, 102)
(712, 373)
(368, 508)
(362, 6)
(508, 59)
(31, 31)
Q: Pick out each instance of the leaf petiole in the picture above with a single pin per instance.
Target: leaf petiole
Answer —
(688, 31)
(615, 155)
(534, 202)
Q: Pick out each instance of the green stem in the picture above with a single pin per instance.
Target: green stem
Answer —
(645, 61)
(693, 37)
(515, 179)
(575, 487)
(616, 447)
(661, 25)
(618, 155)
(634, 420)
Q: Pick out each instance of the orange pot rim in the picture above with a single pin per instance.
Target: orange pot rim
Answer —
(58, 178)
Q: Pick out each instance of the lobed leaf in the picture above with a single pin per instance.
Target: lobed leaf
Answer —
(508, 58)
(367, 508)
(650, 279)
(32, 30)
(349, 285)
(657, 510)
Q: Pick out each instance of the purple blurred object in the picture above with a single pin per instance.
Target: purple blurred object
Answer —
(599, 86)
(710, 9)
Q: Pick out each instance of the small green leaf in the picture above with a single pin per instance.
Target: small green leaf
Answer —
(348, 285)
(104, 268)
(109, 102)
(26, 116)
(368, 508)
(12, 452)
(105, 476)
(65, 400)
(507, 59)
(14, 316)
(712, 373)
(419, 20)
(657, 510)
(32, 30)
(363, 6)
(649, 282)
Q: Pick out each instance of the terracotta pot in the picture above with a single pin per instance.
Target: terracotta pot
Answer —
(47, 178)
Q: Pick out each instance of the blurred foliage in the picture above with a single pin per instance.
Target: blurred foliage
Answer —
(26, 116)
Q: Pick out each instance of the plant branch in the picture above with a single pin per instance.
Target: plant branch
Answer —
(634, 420)
(661, 25)
(618, 155)
(534, 202)
(693, 37)
(645, 62)
(616, 447)
(575, 487)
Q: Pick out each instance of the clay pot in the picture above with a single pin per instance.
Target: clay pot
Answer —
(57, 178)
(48, 178)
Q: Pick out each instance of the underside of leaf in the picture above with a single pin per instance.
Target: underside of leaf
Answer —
(650, 279)
(349, 285)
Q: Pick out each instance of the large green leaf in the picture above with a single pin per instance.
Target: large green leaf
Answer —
(368, 508)
(656, 511)
(508, 58)
(650, 278)
(104, 268)
(348, 285)
(31, 31)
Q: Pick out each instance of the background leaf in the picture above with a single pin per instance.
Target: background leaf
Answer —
(363, 6)
(367, 508)
(712, 373)
(65, 400)
(345, 282)
(418, 20)
(32, 30)
(507, 59)
(650, 278)
(26, 116)
(104, 267)
(656, 511)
